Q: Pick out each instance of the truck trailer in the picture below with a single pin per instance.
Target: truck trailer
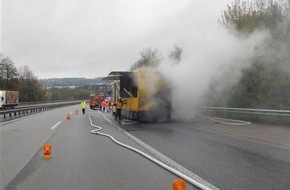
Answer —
(146, 91)
(8, 99)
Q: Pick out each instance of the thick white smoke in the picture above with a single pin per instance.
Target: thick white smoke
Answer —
(218, 54)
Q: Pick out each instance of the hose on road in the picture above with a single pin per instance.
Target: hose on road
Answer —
(225, 121)
(172, 170)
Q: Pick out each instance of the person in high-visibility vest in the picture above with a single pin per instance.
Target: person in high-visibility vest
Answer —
(119, 104)
(103, 106)
(113, 107)
(107, 106)
(83, 106)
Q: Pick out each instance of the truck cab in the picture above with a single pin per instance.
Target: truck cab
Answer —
(1, 99)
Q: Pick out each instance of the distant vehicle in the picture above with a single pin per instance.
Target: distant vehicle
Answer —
(8, 99)
(95, 100)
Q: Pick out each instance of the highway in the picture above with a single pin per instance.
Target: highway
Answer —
(80, 160)
(228, 157)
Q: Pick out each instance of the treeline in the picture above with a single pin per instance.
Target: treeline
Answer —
(32, 89)
(266, 82)
(70, 82)
(21, 79)
(78, 93)
(73, 88)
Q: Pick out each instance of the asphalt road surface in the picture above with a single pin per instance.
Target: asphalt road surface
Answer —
(80, 160)
(252, 157)
(227, 156)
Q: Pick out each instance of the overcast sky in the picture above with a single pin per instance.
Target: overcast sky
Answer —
(90, 38)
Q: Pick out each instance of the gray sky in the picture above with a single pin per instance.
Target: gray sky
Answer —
(90, 38)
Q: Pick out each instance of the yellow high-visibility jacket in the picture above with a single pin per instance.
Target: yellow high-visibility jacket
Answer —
(83, 105)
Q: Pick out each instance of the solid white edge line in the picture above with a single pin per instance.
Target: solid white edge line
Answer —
(55, 125)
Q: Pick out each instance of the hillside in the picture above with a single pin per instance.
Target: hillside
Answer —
(71, 82)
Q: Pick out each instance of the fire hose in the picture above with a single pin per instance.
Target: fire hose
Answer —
(161, 164)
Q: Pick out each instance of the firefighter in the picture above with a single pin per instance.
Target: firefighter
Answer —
(113, 107)
(119, 104)
(83, 106)
(107, 106)
(103, 106)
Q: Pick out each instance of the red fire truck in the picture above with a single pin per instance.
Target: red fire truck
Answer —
(96, 100)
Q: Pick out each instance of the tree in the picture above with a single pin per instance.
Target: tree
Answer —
(149, 58)
(266, 82)
(248, 16)
(22, 80)
(262, 86)
(30, 88)
(8, 74)
(175, 54)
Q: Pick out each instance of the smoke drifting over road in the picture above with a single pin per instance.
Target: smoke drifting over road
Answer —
(218, 55)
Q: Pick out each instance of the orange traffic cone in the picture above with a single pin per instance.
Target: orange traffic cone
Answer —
(179, 184)
(68, 116)
(46, 151)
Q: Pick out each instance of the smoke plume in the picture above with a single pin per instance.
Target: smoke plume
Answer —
(219, 55)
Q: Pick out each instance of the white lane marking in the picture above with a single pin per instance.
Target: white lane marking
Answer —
(56, 125)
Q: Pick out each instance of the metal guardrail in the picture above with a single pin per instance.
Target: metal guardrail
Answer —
(259, 115)
(252, 111)
(30, 109)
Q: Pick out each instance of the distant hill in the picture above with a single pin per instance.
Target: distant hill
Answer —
(71, 82)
